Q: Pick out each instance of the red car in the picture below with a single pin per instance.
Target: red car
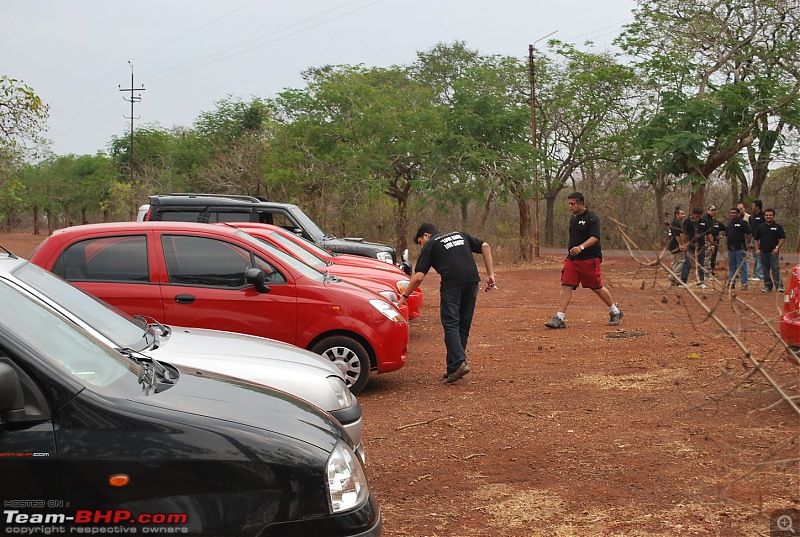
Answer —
(218, 277)
(342, 265)
(790, 321)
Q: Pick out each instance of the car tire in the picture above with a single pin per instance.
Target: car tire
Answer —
(349, 356)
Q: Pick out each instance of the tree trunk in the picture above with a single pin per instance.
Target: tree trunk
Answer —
(659, 192)
(550, 204)
(50, 219)
(486, 208)
(464, 213)
(36, 230)
(525, 242)
(698, 197)
(401, 223)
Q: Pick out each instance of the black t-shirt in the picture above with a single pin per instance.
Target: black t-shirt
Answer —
(703, 228)
(581, 228)
(768, 236)
(736, 231)
(694, 240)
(675, 229)
(450, 254)
(756, 220)
(717, 227)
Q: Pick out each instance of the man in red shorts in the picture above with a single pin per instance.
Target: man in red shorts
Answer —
(582, 264)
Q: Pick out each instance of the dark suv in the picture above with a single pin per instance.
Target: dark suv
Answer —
(230, 208)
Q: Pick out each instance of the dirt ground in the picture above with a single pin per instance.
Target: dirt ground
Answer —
(658, 427)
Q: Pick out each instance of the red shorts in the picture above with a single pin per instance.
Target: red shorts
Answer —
(585, 272)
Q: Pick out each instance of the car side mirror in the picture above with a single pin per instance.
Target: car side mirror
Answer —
(258, 278)
(9, 387)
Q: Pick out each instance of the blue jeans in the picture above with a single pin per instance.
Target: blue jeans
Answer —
(757, 270)
(696, 258)
(736, 263)
(456, 308)
(770, 265)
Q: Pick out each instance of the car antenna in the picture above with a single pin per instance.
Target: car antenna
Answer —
(6, 250)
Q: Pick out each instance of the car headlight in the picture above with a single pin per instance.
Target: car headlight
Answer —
(343, 395)
(391, 296)
(346, 481)
(386, 257)
(389, 311)
(402, 285)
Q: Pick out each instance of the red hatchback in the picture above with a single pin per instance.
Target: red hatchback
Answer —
(342, 265)
(222, 278)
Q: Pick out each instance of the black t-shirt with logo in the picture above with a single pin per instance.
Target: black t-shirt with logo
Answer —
(768, 236)
(581, 228)
(756, 220)
(450, 254)
(695, 240)
(736, 231)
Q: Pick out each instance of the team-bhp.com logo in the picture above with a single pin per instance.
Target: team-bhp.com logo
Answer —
(88, 520)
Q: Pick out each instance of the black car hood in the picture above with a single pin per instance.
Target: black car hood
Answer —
(207, 394)
(354, 245)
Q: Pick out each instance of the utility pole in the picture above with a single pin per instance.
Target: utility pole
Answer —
(532, 76)
(132, 99)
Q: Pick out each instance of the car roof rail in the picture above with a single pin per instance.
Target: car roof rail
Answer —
(253, 199)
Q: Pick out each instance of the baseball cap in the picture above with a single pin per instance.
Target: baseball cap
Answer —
(712, 207)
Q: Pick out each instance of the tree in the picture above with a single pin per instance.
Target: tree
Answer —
(373, 127)
(723, 71)
(583, 100)
(22, 116)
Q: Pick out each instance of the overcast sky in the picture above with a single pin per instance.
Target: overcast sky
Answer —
(189, 54)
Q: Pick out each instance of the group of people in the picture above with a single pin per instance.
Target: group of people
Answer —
(450, 254)
(695, 241)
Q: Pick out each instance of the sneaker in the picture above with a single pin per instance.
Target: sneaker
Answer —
(615, 318)
(702, 286)
(754, 279)
(765, 290)
(744, 287)
(556, 322)
(780, 289)
(462, 370)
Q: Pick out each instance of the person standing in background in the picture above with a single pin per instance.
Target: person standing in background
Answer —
(693, 229)
(712, 240)
(769, 239)
(756, 219)
(676, 241)
(737, 234)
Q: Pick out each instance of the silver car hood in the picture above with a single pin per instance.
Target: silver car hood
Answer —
(265, 361)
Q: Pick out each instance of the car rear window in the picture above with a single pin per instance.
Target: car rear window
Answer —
(118, 259)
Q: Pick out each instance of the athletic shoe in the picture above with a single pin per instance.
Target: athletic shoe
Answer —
(780, 289)
(556, 322)
(765, 290)
(744, 287)
(462, 370)
(755, 279)
(615, 318)
(702, 286)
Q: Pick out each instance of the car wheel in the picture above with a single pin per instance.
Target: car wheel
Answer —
(349, 356)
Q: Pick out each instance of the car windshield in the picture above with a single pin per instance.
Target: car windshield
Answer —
(308, 225)
(298, 251)
(122, 330)
(322, 253)
(283, 257)
(63, 345)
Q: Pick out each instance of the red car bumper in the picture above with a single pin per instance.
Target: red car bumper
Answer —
(790, 321)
